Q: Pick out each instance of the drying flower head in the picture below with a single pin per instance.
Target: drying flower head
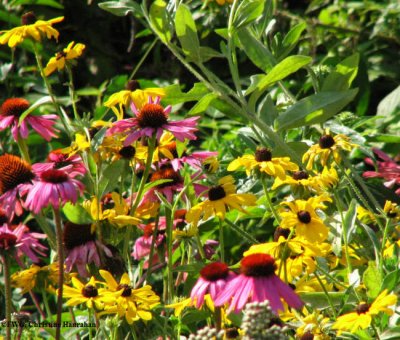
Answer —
(220, 198)
(31, 28)
(152, 119)
(65, 57)
(10, 113)
(263, 161)
(257, 283)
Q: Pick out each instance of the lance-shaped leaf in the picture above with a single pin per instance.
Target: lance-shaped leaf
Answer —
(159, 20)
(187, 33)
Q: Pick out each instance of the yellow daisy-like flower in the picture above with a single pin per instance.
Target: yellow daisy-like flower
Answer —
(315, 325)
(122, 99)
(220, 198)
(365, 216)
(264, 162)
(31, 28)
(36, 277)
(58, 62)
(302, 216)
(392, 210)
(89, 294)
(390, 248)
(133, 304)
(328, 178)
(188, 231)
(327, 146)
(362, 317)
(211, 165)
(309, 283)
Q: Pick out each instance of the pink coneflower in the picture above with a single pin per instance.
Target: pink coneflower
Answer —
(82, 248)
(15, 178)
(52, 187)
(152, 119)
(256, 283)
(23, 241)
(142, 245)
(12, 109)
(388, 169)
(61, 161)
(213, 278)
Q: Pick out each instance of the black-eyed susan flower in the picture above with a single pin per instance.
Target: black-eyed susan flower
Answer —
(88, 294)
(303, 217)
(361, 318)
(327, 146)
(31, 28)
(263, 161)
(133, 304)
(71, 52)
(220, 198)
(392, 210)
(313, 326)
(120, 101)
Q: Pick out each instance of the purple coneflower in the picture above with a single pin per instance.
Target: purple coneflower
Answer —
(15, 179)
(143, 244)
(152, 119)
(257, 283)
(213, 278)
(12, 109)
(61, 161)
(82, 248)
(23, 241)
(51, 187)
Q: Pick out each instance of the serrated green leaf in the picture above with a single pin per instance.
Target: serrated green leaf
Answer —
(121, 8)
(280, 71)
(314, 109)
(160, 21)
(372, 279)
(343, 76)
(186, 31)
(75, 213)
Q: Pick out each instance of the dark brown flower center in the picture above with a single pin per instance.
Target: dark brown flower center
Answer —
(231, 333)
(166, 172)
(127, 152)
(90, 291)
(7, 240)
(298, 175)
(307, 336)
(60, 55)
(93, 131)
(171, 147)
(13, 171)
(132, 85)
(28, 18)
(127, 290)
(216, 193)
(263, 155)
(258, 265)
(281, 232)
(215, 271)
(362, 308)
(75, 235)
(326, 141)
(304, 216)
(14, 107)
(151, 116)
(54, 176)
(107, 201)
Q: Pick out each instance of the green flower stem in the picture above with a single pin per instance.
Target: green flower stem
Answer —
(269, 202)
(384, 238)
(7, 292)
(247, 236)
(89, 319)
(60, 253)
(152, 247)
(47, 229)
(200, 246)
(141, 61)
(149, 160)
(327, 295)
(37, 304)
(46, 304)
(170, 276)
(221, 240)
(218, 318)
(283, 254)
(72, 92)
(345, 240)
(23, 148)
(64, 118)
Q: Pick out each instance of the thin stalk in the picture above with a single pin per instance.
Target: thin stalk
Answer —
(23, 148)
(327, 295)
(170, 277)
(60, 253)
(46, 304)
(152, 247)
(47, 229)
(200, 246)
(37, 304)
(89, 318)
(269, 202)
(247, 236)
(283, 254)
(141, 61)
(7, 293)
(384, 238)
(72, 92)
(221, 240)
(218, 318)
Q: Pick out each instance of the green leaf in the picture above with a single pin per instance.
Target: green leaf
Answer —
(291, 39)
(391, 280)
(350, 219)
(35, 105)
(98, 139)
(160, 21)
(314, 109)
(174, 94)
(255, 50)
(247, 12)
(384, 138)
(49, 3)
(203, 104)
(155, 183)
(110, 176)
(121, 8)
(75, 213)
(267, 110)
(372, 279)
(319, 300)
(280, 71)
(207, 53)
(390, 104)
(343, 76)
(187, 33)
